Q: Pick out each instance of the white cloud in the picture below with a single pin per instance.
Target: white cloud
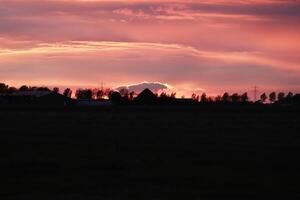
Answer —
(153, 86)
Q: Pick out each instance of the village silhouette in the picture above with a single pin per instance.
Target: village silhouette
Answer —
(106, 144)
(43, 96)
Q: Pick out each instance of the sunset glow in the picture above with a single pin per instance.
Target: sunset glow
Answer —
(192, 46)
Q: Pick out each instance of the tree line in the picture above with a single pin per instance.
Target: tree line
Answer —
(126, 96)
(235, 97)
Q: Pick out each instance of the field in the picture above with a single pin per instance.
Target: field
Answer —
(150, 153)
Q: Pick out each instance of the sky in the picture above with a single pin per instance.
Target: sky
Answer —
(186, 46)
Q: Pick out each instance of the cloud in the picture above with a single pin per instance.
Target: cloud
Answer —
(213, 44)
(87, 64)
(193, 23)
(141, 48)
(153, 86)
(158, 87)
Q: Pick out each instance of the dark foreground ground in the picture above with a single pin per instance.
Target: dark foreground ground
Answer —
(150, 153)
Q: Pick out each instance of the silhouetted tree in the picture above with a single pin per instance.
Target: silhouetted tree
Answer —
(210, 99)
(218, 98)
(289, 98)
(24, 88)
(100, 94)
(131, 96)
(11, 90)
(94, 93)
(203, 98)
(126, 97)
(124, 91)
(115, 97)
(272, 97)
(32, 88)
(107, 91)
(289, 95)
(3, 88)
(280, 96)
(235, 98)
(173, 95)
(56, 89)
(195, 97)
(226, 97)
(67, 92)
(164, 96)
(43, 89)
(84, 94)
(263, 98)
(244, 97)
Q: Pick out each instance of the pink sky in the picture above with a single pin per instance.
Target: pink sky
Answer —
(193, 46)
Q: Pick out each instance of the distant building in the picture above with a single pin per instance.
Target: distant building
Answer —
(33, 93)
(54, 98)
(146, 97)
(37, 98)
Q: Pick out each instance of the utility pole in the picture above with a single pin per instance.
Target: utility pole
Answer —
(102, 87)
(255, 93)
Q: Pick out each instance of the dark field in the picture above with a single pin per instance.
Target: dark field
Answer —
(150, 153)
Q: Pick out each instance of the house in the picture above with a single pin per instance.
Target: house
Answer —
(54, 98)
(39, 98)
(33, 93)
(146, 97)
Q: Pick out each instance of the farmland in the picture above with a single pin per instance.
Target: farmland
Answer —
(150, 153)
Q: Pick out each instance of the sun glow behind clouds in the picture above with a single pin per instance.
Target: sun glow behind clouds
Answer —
(71, 62)
(215, 45)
